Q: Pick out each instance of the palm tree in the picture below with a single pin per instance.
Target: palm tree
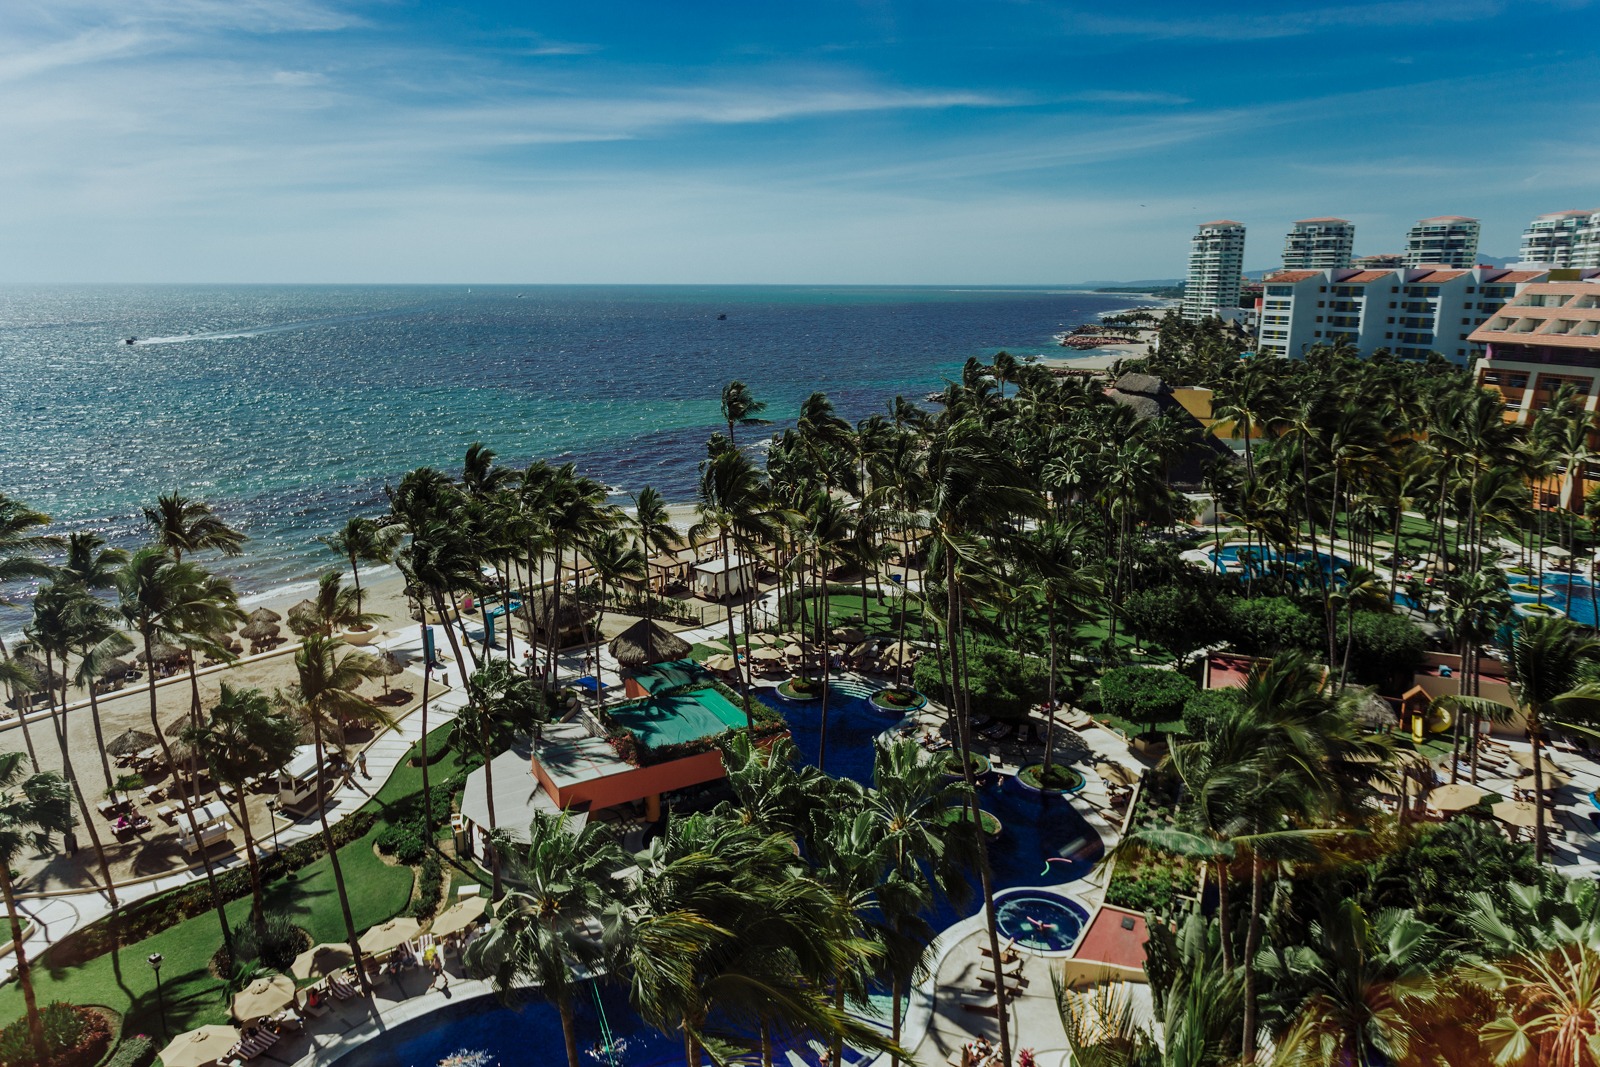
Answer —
(733, 501)
(327, 695)
(181, 525)
(1476, 606)
(362, 540)
(923, 850)
(617, 561)
(1545, 660)
(165, 600)
(562, 880)
(741, 408)
(1050, 557)
(31, 809)
(1362, 972)
(333, 608)
(244, 735)
(20, 546)
(61, 614)
(970, 483)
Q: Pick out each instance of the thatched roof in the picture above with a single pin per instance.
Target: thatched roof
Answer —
(536, 611)
(645, 642)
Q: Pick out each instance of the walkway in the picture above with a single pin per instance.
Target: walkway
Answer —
(55, 916)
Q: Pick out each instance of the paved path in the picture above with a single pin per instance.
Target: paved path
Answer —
(56, 916)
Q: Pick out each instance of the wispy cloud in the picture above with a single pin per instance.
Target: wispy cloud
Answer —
(1232, 24)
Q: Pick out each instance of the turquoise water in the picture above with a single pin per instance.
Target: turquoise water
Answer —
(289, 407)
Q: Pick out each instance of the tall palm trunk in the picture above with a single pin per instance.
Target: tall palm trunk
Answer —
(487, 741)
(1050, 688)
(258, 907)
(1535, 735)
(1252, 945)
(427, 793)
(77, 787)
(194, 826)
(963, 712)
(738, 664)
(333, 857)
(30, 1005)
(569, 1029)
(99, 736)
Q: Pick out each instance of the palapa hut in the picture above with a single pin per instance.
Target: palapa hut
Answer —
(646, 642)
(567, 624)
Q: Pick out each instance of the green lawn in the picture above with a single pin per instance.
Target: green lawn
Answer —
(377, 892)
(125, 982)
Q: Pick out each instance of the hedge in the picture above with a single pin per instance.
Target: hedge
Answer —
(429, 892)
(137, 1051)
(75, 1036)
(1145, 696)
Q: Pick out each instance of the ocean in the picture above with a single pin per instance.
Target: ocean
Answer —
(289, 407)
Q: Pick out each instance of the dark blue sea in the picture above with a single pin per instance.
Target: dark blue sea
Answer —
(289, 407)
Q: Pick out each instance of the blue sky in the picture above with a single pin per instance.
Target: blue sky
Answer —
(871, 142)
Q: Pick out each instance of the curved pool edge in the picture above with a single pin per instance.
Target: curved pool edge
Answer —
(328, 1049)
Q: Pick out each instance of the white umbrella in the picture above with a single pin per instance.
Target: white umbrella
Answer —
(459, 916)
(323, 959)
(723, 662)
(199, 1047)
(389, 935)
(767, 655)
(1455, 797)
(1515, 812)
(263, 997)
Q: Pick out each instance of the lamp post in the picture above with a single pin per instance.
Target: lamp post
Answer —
(161, 996)
(272, 816)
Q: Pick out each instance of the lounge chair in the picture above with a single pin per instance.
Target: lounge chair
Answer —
(340, 988)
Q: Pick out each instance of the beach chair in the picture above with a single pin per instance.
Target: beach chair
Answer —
(340, 988)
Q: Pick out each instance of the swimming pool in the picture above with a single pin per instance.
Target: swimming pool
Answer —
(1045, 921)
(1257, 558)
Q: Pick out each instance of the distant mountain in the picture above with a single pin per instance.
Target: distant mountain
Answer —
(1132, 287)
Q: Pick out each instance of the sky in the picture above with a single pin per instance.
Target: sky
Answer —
(873, 142)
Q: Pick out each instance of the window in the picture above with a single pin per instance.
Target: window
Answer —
(1391, 317)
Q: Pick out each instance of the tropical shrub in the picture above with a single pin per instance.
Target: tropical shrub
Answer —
(1206, 709)
(1264, 625)
(1178, 618)
(75, 1036)
(406, 842)
(1144, 696)
(136, 1051)
(1382, 646)
(276, 948)
(1004, 683)
(429, 891)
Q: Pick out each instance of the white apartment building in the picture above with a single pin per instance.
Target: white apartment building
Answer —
(1411, 311)
(1443, 241)
(1319, 244)
(1216, 265)
(1553, 240)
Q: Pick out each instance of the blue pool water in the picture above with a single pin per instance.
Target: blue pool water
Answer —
(530, 1033)
(1044, 840)
(1258, 557)
(1045, 921)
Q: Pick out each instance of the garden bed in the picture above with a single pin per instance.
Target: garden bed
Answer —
(1062, 779)
(962, 814)
(800, 689)
(980, 766)
(901, 699)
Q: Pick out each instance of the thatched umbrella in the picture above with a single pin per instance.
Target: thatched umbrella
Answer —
(645, 643)
(382, 665)
(264, 615)
(766, 655)
(130, 741)
(259, 631)
(161, 652)
(117, 668)
(47, 679)
(1375, 713)
(545, 618)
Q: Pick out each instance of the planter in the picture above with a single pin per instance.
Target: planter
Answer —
(359, 637)
(959, 814)
(1541, 611)
(800, 690)
(898, 701)
(1064, 780)
(1519, 571)
(980, 766)
(1524, 587)
(1154, 746)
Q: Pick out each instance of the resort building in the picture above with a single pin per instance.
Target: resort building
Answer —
(1546, 337)
(1216, 269)
(1442, 241)
(1319, 244)
(1379, 261)
(1411, 312)
(1552, 240)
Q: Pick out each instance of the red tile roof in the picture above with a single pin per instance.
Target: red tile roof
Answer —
(1515, 276)
(1324, 219)
(1449, 218)
(1107, 941)
(1222, 222)
(1566, 214)
(1291, 276)
(1435, 275)
(1365, 277)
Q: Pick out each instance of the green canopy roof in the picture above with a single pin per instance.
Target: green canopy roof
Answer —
(664, 677)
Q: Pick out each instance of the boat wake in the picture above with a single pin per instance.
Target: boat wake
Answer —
(256, 331)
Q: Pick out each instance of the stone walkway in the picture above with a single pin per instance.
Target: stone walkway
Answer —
(55, 916)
